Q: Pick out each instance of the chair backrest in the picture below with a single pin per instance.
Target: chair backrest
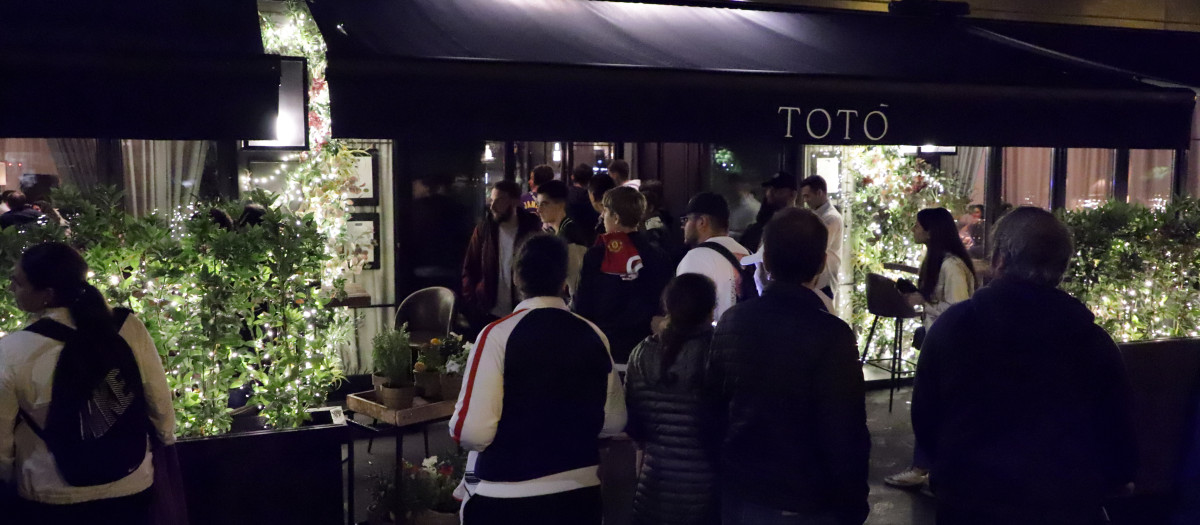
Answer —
(427, 311)
(1164, 376)
(884, 300)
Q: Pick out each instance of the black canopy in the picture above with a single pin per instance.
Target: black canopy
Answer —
(579, 70)
(1169, 56)
(148, 69)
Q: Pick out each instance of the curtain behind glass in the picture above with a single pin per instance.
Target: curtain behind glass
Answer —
(1027, 176)
(1150, 172)
(966, 171)
(76, 161)
(161, 174)
(1089, 177)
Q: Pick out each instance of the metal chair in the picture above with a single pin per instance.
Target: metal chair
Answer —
(883, 300)
(428, 312)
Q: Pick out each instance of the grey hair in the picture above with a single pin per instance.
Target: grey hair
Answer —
(1033, 245)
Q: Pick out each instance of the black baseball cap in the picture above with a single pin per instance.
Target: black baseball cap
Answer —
(781, 179)
(708, 203)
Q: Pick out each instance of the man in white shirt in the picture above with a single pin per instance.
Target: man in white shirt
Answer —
(815, 195)
(714, 254)
(619, 171)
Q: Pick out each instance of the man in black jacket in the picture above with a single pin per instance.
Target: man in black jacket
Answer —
(1021, 400)
(789, 394)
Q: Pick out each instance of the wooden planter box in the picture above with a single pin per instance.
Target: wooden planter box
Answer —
(269, 476)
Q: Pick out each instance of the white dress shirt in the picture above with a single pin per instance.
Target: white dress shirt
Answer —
(27, 363)
(833, 246)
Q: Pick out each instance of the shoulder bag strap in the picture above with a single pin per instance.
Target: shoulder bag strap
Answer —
(728, 255)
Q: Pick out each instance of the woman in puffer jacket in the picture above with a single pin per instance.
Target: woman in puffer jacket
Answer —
(677, 481)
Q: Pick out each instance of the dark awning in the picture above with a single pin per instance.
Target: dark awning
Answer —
(578, 70)
(1169, 56)
(147, 69)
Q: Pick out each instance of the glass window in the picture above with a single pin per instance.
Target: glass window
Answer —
(1150, 176)
(1027, 176)
(1089, 177)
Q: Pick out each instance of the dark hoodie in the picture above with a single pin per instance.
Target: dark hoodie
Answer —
(1021, 401)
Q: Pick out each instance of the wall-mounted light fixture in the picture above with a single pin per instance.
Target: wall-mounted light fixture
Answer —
(291, 121)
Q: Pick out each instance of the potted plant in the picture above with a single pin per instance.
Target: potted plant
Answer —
(392, 355)
(427, 494)
(426, 370)
(456, 351)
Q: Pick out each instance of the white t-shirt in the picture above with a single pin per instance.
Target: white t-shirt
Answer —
(710, 263)
(504, 298)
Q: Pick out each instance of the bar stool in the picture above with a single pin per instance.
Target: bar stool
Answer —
(883, 300)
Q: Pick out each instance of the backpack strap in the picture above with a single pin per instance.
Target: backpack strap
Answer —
(24, 417)
(119, 317)
(728, 255)
(52, 329)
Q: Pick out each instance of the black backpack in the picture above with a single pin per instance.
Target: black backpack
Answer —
(97, 425)
(747, 289)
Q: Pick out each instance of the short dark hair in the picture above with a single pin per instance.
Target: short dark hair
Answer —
(555, 190)
(599, 185)
(1033, 245)
(619, 169)
(816, 182)
(16, 200)
(582, 174)
(794, 245)
(653, 191)
(541, 265)
(629, 205)
(509, 188)
(541, 175)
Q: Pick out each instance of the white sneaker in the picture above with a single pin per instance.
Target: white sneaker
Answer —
(908, 479)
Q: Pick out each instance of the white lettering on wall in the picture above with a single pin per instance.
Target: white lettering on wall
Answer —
(867, 125)
(828, 123)
(788, 111)
(819, 123)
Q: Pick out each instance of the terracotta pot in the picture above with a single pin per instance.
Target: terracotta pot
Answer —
(397, 398)
(429, 517)
(451, 385)
(429, 385)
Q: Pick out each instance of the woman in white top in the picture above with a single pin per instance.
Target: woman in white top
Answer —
(50, 282)
(946, 277)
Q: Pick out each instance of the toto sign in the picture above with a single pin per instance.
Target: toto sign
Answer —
(849, 124)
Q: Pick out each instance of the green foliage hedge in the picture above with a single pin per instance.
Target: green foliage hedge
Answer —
(226, 309)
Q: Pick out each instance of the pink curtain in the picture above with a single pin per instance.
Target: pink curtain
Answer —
(1150, 176)
(1027, 176)
(1089, 177)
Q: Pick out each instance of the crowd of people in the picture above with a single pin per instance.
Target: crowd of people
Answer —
(743, 391)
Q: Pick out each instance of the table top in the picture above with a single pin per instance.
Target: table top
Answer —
(421, 412)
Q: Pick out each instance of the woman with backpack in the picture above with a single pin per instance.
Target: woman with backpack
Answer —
(667, 415)
(83, 395)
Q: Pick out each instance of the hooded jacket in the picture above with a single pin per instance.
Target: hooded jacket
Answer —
(1021, 402)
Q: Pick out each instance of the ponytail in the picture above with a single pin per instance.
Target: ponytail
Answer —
(689, 300)
(90, 311)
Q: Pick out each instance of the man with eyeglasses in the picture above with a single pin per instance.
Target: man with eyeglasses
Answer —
(715, 254)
